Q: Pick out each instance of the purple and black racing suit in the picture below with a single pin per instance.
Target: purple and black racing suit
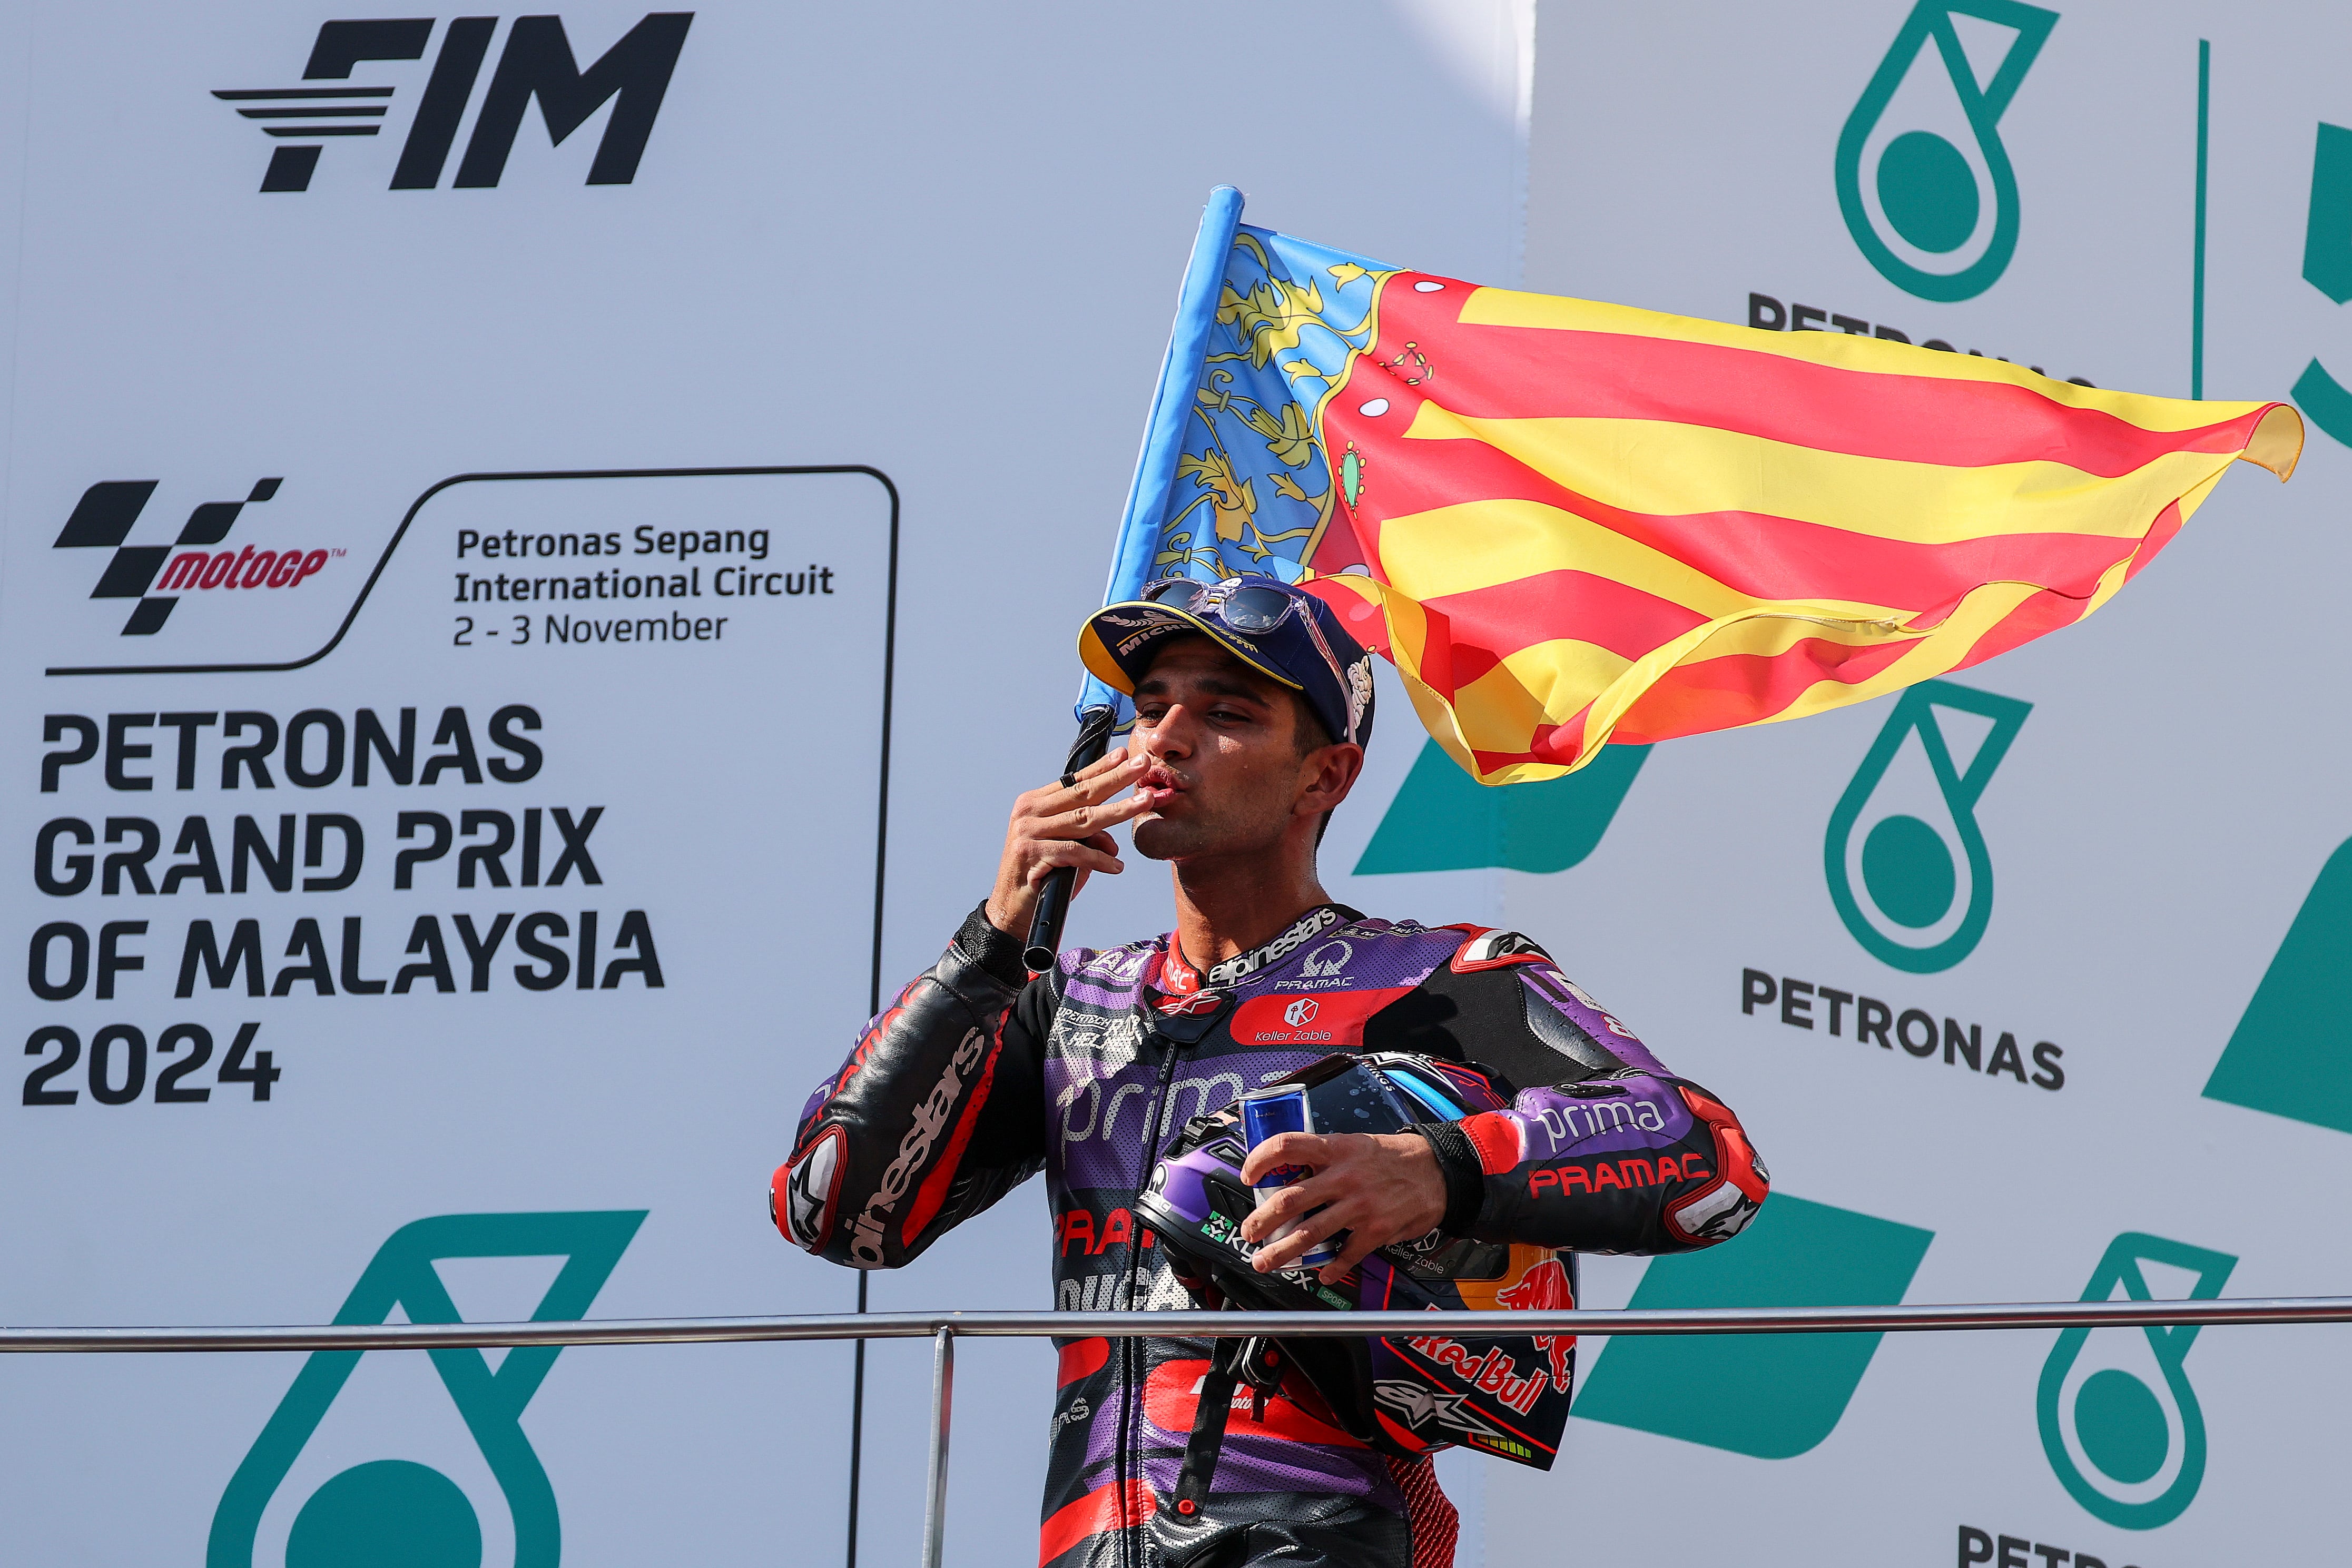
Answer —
(979, 1075)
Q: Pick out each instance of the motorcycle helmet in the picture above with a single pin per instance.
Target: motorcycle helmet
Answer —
(1407, 1396)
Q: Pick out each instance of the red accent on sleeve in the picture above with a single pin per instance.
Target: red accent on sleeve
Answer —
(1082, 1358)
(934, 1191)
(1735, 1157)
(1496, 1138)
(1110, 1506)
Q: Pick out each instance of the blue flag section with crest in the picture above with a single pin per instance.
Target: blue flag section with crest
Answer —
(1231, 477)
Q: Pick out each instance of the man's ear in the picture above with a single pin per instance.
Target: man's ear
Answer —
(1328, 773)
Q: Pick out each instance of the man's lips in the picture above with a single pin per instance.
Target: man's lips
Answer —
(1160, 784)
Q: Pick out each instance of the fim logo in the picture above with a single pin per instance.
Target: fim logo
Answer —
(537, 63)
(1923, 180)
(2120, 1423)
(102, 519)
(1908, 865)
(397, 1511)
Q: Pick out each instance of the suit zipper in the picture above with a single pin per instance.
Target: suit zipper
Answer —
(1131, 1350)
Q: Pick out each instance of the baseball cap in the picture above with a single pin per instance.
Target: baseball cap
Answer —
(1279, 630)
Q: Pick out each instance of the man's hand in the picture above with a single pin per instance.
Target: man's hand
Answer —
(1380, 1187)
(1058, 826)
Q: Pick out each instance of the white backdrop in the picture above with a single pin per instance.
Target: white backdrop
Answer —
(938, 240)
(941, 243)
(2165, 802)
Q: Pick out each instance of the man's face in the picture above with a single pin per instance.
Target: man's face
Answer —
(1228, 776)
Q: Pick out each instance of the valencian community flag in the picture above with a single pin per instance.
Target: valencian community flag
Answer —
(1570, 523)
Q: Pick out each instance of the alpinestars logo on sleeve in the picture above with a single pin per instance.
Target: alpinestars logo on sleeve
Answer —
(155, 575)
(536, 62)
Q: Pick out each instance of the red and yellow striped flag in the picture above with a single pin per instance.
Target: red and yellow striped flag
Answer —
(1583, 523)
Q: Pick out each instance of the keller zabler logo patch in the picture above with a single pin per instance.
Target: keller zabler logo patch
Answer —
(397, 1511)
(1907, 867)
(537, 62)
(1923, 180)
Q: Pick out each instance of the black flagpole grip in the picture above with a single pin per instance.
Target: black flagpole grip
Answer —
(1054, 898)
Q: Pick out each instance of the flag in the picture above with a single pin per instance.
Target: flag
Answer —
(1569, 523)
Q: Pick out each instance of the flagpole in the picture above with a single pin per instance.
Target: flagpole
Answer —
(1138, 529)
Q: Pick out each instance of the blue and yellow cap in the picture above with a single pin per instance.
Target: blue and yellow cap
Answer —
(1282, 631)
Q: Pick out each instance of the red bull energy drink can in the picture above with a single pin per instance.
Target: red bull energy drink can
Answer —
(1269, 1113)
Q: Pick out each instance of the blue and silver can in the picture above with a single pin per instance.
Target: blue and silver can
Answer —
(1269, 1113)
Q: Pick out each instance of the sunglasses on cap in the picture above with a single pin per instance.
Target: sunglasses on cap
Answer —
(1253, 609)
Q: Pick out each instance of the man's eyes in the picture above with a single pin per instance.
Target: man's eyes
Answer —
(1151, 713)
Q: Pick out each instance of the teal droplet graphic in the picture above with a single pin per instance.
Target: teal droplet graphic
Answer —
(1441, 818)
(1931, 199)
(1909, 872)
(387, 1514)
(2124, 1425)
(1929, 191)
(2121, 1425)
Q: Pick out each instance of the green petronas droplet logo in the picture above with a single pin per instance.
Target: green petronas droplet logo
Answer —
(1908, 866)
(395, 1513)
(1923, 180)
(2120, 1423)
(2291, 1054)
(1443, 820)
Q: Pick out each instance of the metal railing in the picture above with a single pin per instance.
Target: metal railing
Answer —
(943, 1328)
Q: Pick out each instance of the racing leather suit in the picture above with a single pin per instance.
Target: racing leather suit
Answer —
(979, 1074)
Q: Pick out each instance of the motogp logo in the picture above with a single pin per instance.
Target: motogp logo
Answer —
(1301, 1011)
(103, 519)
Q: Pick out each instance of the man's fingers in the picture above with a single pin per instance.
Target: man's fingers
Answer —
(1100, 780)
(1310, 1149)
(1051, 853)
(1109, 762)
(1362, 1242)
(1090, 818)
(1278, 1209)
(1284, 1253)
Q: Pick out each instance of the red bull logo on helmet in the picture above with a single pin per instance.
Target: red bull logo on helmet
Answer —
(1543, 1289)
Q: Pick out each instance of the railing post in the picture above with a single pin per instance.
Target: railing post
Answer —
(935, 1505)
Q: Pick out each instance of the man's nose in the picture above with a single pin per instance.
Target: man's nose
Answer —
(1171, 736)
